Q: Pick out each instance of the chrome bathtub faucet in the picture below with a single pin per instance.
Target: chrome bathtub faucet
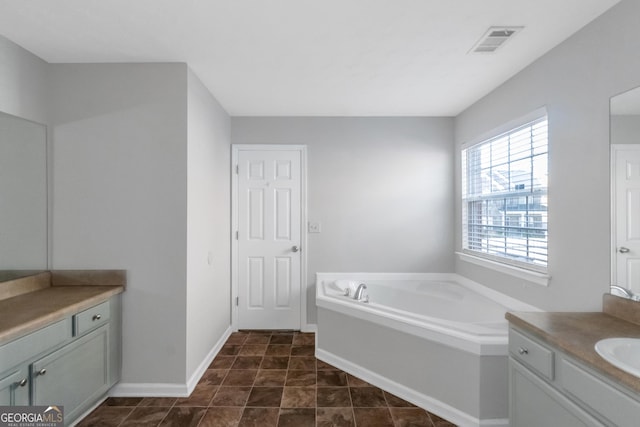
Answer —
(358, 295)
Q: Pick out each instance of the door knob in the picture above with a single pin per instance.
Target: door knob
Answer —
(623, 250)
(295, 249)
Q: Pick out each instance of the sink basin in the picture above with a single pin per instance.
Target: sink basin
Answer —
(623, 353)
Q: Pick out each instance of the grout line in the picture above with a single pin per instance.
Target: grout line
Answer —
(168, 412)
(125, 418)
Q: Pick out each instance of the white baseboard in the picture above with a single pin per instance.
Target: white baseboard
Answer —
(199, 372)
(438, 407)
(149, 390)
(170, 389)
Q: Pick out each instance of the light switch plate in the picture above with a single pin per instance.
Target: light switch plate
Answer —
(314, 227)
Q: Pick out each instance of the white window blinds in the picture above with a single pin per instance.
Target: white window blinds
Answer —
(504, 196)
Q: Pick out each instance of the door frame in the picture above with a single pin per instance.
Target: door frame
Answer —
(613, 215)
(235, 152)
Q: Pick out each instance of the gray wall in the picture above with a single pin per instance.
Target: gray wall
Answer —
(208, 223)
(120, 136)
(23, 93)
(625, 129)
(381, 188)
(574, 81)
(119, 141)
(141, 182)
(23, 194)
(23, 82)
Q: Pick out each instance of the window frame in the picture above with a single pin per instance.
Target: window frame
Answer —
(531, 271)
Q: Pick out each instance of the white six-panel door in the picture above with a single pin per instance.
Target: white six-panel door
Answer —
(269, 244)
(626, 218)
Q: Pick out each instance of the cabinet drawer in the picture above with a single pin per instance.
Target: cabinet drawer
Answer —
(532, 354)
(91, 318)
(607, 401)
(17, 351)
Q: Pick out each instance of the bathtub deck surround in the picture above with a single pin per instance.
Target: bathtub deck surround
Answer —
(452, 333)
(269, 379)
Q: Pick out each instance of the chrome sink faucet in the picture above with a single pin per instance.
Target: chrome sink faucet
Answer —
(358, 294)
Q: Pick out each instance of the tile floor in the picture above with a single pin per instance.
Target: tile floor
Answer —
(264, 379)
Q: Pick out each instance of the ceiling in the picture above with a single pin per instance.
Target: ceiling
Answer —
(304, 57)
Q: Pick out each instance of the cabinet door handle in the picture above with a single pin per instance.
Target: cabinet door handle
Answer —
(22, 382)
(96, 317)
(42, 371)
(523, 350)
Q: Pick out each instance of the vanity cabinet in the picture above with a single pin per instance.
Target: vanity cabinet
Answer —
(535, 403)
(549, 388)
(74, 376)
(14, 387)
(72, 362)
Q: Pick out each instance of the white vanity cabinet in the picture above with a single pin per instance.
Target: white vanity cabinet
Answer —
(72, 362)
(549, 388)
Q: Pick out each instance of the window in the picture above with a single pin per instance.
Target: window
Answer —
(504, 197)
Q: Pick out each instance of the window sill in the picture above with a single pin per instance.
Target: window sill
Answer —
(538, 278)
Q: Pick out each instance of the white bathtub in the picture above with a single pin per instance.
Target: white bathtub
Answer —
(437, 340)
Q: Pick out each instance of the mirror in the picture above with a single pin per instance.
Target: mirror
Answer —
(23, 197)
(625, 193)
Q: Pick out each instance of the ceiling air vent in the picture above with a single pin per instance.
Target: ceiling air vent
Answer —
(494, 38)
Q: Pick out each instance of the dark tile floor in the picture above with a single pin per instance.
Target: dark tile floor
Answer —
(263, 379)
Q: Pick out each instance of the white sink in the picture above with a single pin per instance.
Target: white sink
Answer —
(623, 353)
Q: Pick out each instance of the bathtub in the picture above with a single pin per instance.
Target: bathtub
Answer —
(436, 340)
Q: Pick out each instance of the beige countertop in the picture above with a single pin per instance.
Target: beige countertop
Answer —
(577, 333)
(42, 304)
(28, 312)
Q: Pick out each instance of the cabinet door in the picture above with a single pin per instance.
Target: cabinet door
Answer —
(534, 403)
(74, 376)
(14, 387)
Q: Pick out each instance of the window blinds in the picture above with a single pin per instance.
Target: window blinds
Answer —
(504, 195)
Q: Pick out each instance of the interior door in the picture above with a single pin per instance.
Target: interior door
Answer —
(269, 239)
(626, 193)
